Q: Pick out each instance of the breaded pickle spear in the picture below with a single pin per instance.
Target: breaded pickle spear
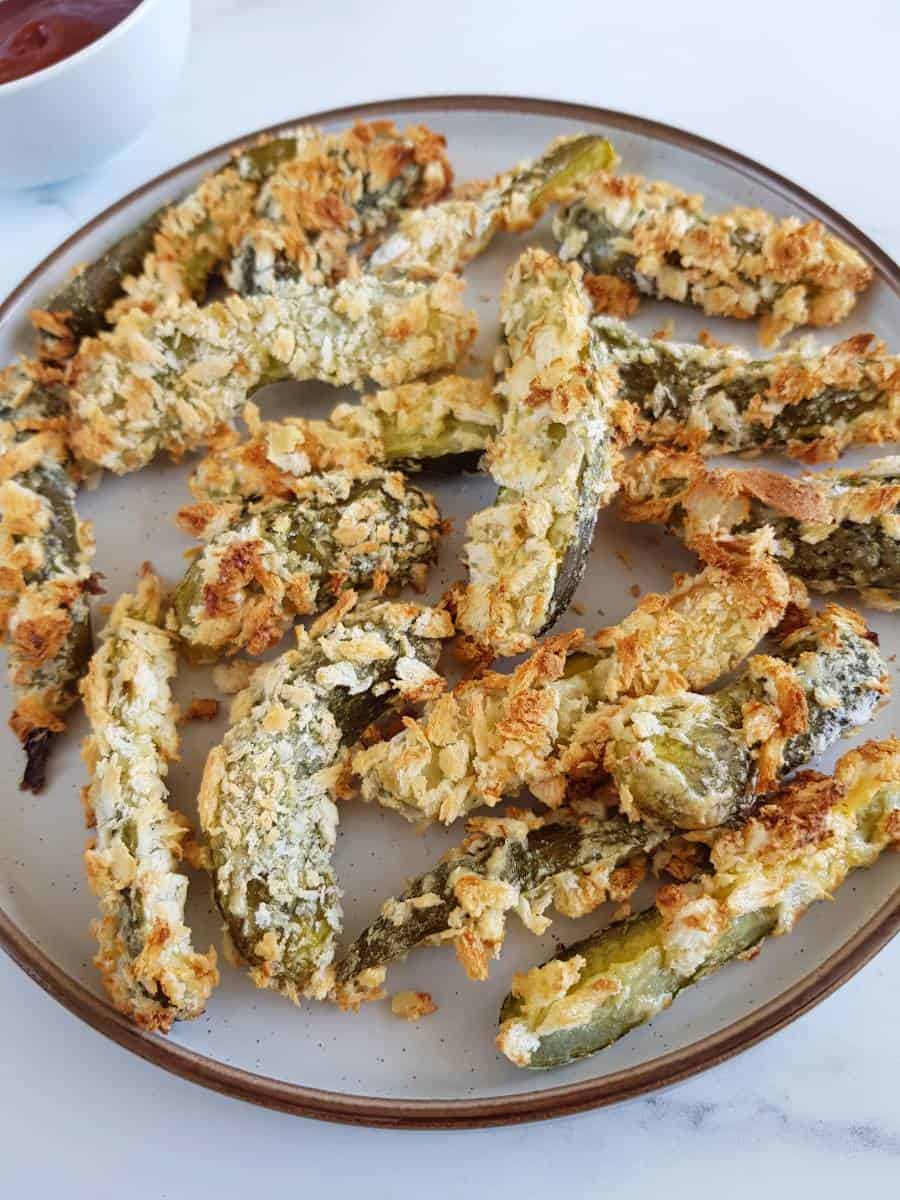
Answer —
(577, 858)
(171, 253)
(741, 263)
(335, 178)
(707, 400)
(444, 237)
(327, 193)
(797, 849)
(294, 557)
(149, 967)
(266, 798)
(697, 761)
(438, 426)
(491, 736)
(811, 406)
(172, 380)
(552, 458)
(45, 554)
(834, 529)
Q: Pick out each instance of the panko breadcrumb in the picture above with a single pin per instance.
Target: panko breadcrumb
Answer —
(146, 959)
(834, 529)
(810, 404)
(267, 796)
(488, 737)
(327, 194)
(552, 459)
(444, 237)
(575, 858)
(741, 263)
(291, 558)
(45, 561)
(412, 1006)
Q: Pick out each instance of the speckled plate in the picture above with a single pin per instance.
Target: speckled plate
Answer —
(373, 1068)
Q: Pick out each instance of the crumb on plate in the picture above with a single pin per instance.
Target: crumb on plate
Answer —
(412, 1006)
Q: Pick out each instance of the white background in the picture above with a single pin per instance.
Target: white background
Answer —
(809, 89)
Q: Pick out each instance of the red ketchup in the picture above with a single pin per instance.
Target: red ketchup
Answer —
(38, 33)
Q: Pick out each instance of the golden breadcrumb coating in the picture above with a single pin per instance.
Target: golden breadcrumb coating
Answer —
(328, 194)
(172, 381)
(271, 463)
(808, 403)
(412, 1006)
(310, 182)
(489, 737)
(283, 559)
(795, 850)
(740, 263)
(147, 962)
(45, 560)
(698, 760)
(446, 416)
(577, 858)
(267, 796)
(552, 459)
(426, 420)
(444, 237)
(835, 528)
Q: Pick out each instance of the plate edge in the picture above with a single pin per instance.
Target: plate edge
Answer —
(508, 1109)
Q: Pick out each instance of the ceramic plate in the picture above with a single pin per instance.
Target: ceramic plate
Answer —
(372, 1067)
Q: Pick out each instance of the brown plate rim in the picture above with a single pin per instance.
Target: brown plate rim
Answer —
(505, 1109)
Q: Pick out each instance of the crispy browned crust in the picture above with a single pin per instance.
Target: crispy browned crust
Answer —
(133, 739)
(694, 256)
(204, 226)
(859, 365)
(315, 195)
(201, 708)
(27, 439)
(313, 191)
(557, 440)
(795, 849)
(43, 584)
(248, 584)
(716, 511)
(412, 1006)
(490, 736)
(659, 481)
(668, 643)
(272, 463)
(173, 380)
(613, 296)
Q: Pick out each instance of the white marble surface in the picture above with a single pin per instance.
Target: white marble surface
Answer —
(808, 89)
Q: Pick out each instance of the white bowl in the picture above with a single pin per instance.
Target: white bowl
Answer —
(69, 117)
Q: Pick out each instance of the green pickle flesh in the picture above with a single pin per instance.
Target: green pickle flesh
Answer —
(630, 952)
(266, 800)
(302, 540)
(530, 865)
(699, 771)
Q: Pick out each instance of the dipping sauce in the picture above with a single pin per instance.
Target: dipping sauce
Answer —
(35, 34)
